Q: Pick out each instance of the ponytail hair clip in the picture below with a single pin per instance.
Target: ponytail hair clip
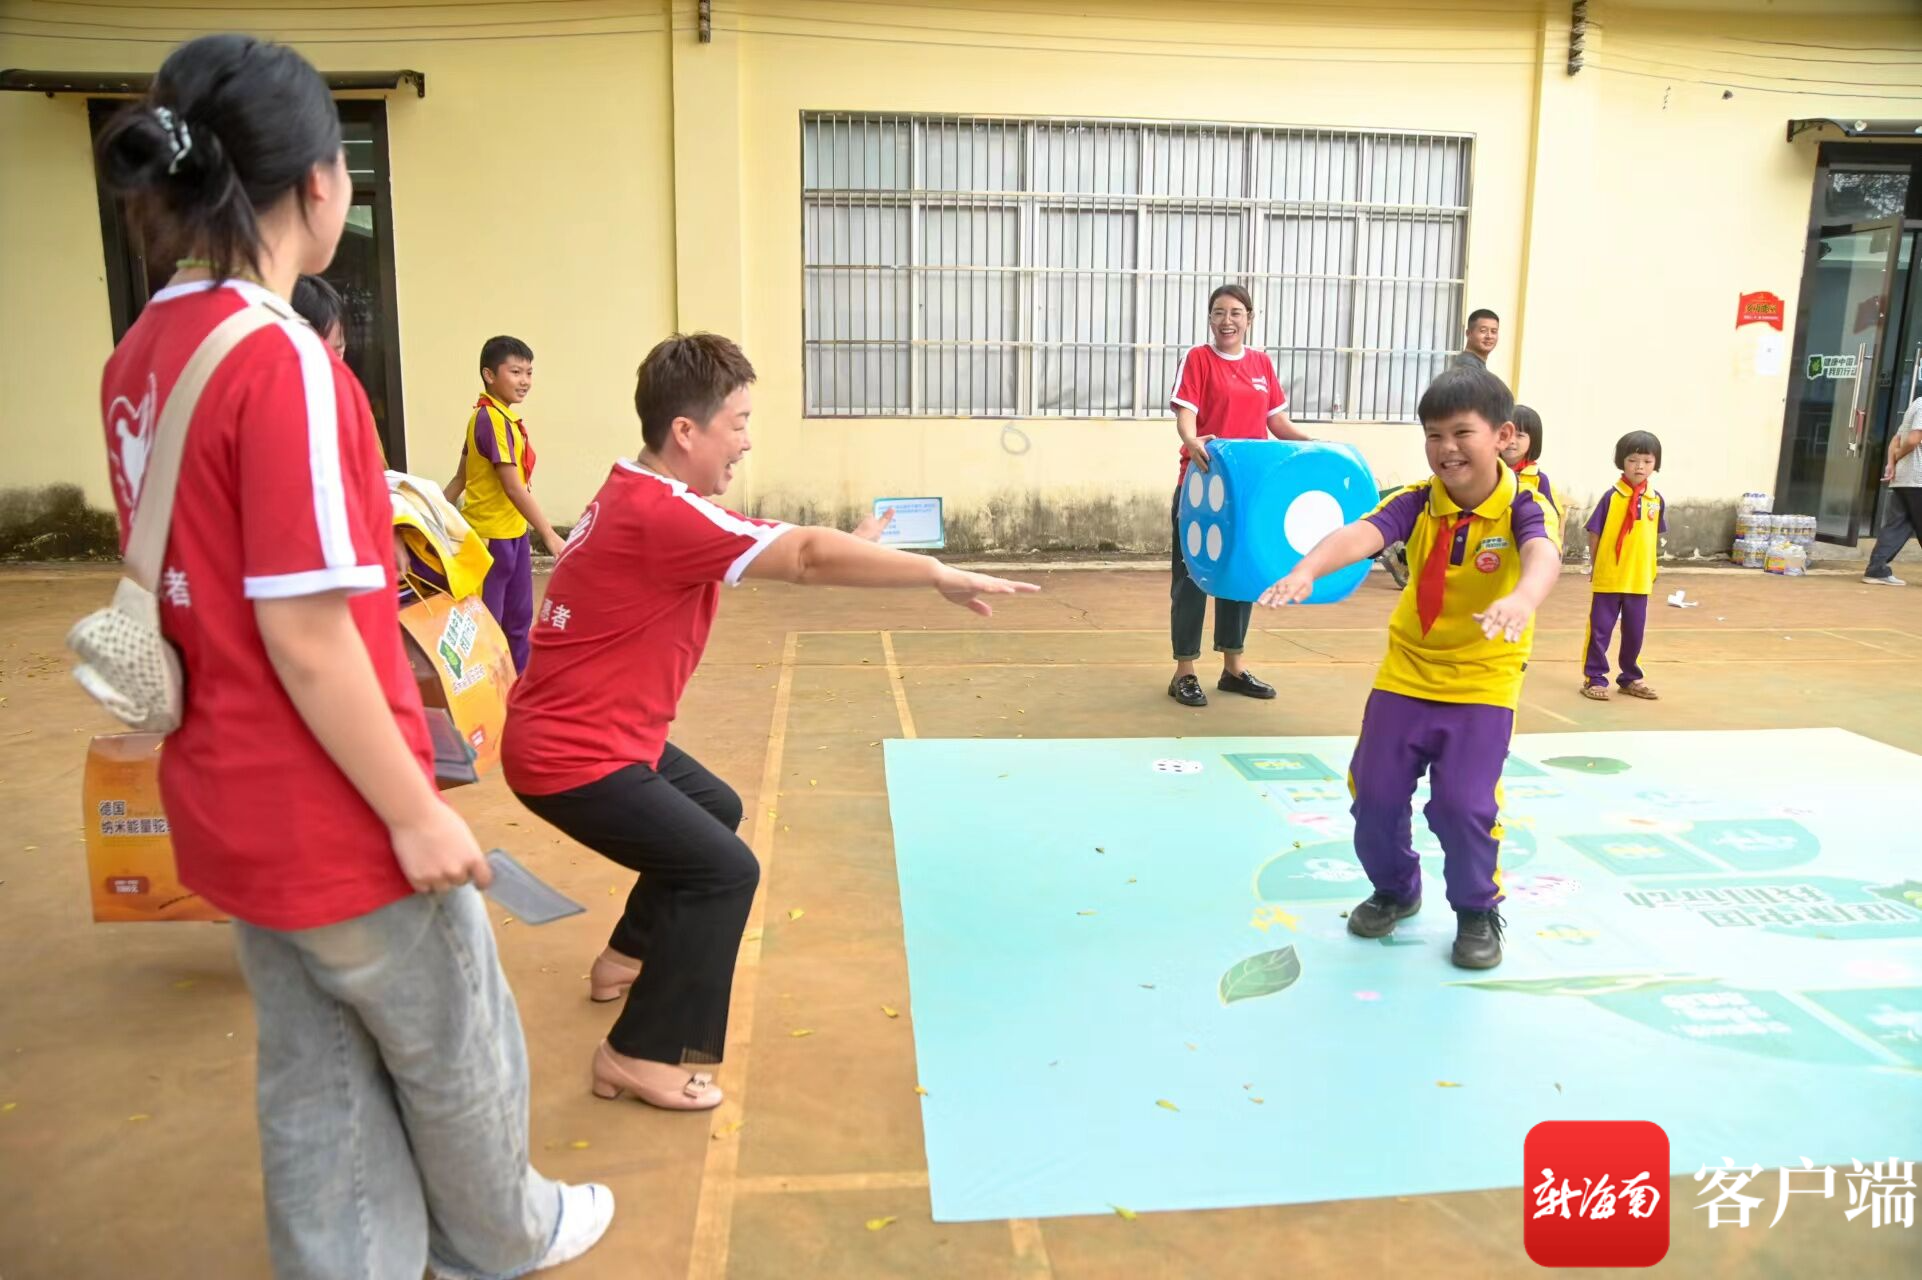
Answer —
(178, 136)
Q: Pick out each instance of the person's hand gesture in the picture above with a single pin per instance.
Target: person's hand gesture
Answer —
(439, 852)
(966, 589)
(1292, 589)
(1198, 451)
(1506, 618)
(874, 526)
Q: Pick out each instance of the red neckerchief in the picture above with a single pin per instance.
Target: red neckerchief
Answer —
(527, 444)
(1633, 514)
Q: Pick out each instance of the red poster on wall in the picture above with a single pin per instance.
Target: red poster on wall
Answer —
(1759, 308)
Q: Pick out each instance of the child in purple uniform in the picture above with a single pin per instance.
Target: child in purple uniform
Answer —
(1480, 563)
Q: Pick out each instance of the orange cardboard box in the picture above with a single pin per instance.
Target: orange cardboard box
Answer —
(130, 857)
(461, 660)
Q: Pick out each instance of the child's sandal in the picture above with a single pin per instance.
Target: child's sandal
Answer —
(1640, 689)
(1599, 692)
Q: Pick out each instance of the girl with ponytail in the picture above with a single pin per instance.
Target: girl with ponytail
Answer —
(392, 1089)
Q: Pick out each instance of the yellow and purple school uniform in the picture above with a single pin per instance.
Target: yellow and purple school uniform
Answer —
(495, 435)
(1554, 514)
(1628, 523)
(1444, 698)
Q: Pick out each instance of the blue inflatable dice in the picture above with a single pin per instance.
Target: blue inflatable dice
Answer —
(1262, 505)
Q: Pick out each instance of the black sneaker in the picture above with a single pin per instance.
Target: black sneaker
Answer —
(1478, 939)
(1377, 917)
(1187, 691)
(1246, 685)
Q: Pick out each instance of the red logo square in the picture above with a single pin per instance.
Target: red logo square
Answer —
(1595, 1193)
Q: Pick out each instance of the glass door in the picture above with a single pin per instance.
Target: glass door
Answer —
(1832, 382)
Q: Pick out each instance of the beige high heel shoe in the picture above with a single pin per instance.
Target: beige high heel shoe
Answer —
(611, 976)
(612, 1079)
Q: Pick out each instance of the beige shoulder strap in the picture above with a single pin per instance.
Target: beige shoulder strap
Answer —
(153, 514)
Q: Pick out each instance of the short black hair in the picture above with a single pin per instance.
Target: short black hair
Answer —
(1638, 442)
(318, 303)
(1481, 313)
(1526, 419)
(1467, 391)
(496, 351)
(688, 375)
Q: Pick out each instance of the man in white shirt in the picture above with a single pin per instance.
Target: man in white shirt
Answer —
(1904, 476)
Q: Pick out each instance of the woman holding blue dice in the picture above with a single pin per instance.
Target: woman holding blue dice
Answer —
(1224, 390)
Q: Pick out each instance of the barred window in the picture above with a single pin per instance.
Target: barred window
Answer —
(982, 267)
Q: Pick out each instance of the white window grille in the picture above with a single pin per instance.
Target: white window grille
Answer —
(964, 266)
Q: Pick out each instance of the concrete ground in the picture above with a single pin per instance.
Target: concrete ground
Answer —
(127, 1140)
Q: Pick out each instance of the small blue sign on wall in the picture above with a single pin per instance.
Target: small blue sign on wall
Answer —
(917, 525)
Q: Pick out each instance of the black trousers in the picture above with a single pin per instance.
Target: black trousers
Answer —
(1904, 522)
(685, 915)
(1188, 608)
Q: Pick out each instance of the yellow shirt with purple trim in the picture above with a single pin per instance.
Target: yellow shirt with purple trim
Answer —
(494, 435)
(1455, 662)
(1632, 572)
(1554, 514)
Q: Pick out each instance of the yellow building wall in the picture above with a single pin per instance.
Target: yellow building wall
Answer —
(593, 181)
(532, 193)
(1435, 70)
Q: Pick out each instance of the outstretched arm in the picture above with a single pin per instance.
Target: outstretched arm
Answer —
(819, 557)
(1343, 547)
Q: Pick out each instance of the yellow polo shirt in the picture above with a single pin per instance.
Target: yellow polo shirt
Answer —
(494, 435)
(1554, 514)
(1454, 661)
(1632, 570)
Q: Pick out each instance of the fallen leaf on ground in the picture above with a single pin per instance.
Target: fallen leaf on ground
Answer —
(727, 1130)
(1128, 1215)
(1099, 849)
(798, 1032)
(875, 1224)
(1166, 1105)
(1147, 986)
(7, 1106)
(141, 1115)
(795, 913)
(1257, 1100)
(752, 935)
(918, 1089)
(1084, 913)
(1190, 1044)
(890, 1011)
(580, 1144)
(185, 984)
(1448, 1084)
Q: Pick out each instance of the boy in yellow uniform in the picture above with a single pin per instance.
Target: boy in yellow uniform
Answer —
(1524, 457)
(1624, 537)
(1480, 563)
(497, 466)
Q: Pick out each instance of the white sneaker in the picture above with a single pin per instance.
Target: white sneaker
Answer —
(1890, 581)
(586, 1210)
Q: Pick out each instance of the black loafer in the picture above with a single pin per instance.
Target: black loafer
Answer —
(1187, 691)
(1246, 685)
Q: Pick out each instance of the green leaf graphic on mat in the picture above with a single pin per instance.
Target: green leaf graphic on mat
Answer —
(1908, 893)
(1588, 764)
(1260, 975)
(1601, 984)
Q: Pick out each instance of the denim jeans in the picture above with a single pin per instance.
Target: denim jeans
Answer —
(393, 1097)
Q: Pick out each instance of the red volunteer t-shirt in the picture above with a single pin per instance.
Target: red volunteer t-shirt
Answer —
(281, 494)
(626, 616)
(1232, 398)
